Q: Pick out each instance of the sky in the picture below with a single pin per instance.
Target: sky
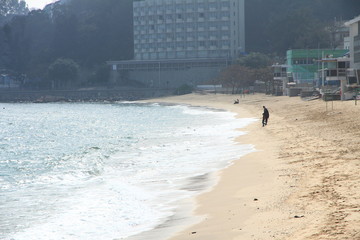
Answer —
(38, 4)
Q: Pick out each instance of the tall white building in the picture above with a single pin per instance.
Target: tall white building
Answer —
(188, 29)
(354, 26)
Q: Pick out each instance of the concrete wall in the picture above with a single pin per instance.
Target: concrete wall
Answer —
(174, 78)
(84, 95)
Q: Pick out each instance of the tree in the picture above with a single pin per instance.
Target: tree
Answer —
(265, 75)
(297, 29)
(63, 73)
(10, 8)
(101, 76)
(236, 77)
(255, 60)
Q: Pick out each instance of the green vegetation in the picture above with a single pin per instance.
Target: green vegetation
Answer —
(63, 73)
(274, 26)
(246, 71)
(11, 8)
(86, 32)
(89, 33)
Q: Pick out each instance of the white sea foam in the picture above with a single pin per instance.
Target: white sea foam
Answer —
(105, 171)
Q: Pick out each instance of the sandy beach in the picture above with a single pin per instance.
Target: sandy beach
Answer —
(303, 181)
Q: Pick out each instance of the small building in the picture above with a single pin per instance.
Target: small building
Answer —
(167, 73)
(280, 83)
(304, 64)
(338, 78)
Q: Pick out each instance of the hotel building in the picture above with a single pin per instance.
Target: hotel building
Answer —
(184, 29)
(183, 41)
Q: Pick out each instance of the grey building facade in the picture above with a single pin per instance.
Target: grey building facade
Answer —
(180, 42)
(185, 29)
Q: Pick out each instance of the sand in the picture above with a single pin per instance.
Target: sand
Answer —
(303, 182)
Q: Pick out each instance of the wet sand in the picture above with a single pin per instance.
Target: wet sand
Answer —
(303, 181)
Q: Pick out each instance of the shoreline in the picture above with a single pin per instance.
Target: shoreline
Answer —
(301, 183)
(184, 214)
(230, 206)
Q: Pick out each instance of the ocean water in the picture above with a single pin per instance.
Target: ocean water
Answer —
(105, 170)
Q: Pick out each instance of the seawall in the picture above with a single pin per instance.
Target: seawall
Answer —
(123, 94)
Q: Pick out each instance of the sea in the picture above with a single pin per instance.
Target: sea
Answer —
(103, 171)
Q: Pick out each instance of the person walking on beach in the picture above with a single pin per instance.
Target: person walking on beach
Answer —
(266, 116)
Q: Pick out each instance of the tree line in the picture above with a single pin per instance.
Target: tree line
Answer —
(81, 35)
(274, 26)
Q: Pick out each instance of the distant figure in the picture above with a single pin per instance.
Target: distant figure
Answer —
(266, 116)
(236, 101)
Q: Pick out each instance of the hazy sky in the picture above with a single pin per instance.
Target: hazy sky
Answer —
(38, 4)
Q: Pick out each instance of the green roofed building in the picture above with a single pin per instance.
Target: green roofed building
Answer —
(303, 64)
